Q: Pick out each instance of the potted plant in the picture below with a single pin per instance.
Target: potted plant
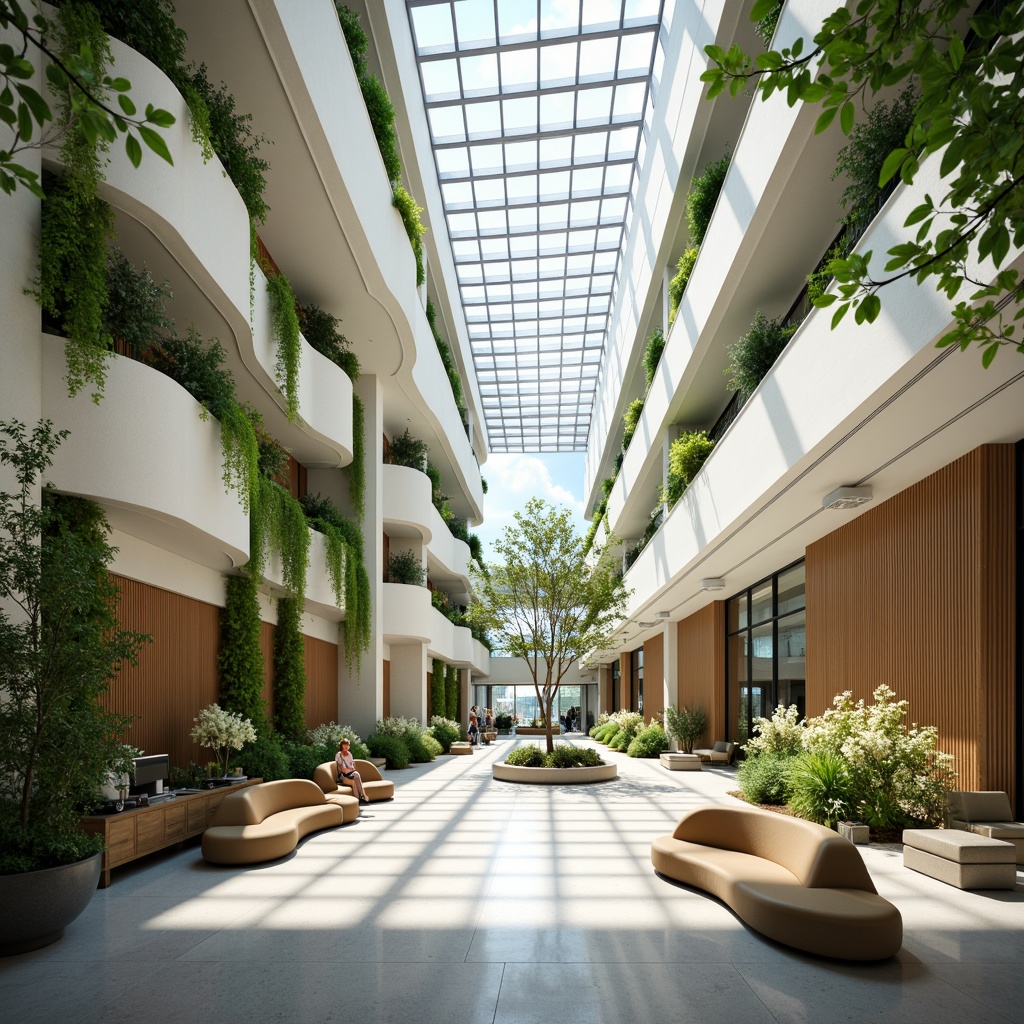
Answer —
(60, 645)
(686, 724)
(221, 731)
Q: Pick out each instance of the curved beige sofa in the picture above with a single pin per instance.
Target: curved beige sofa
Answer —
(375, 786)
(266, 821)
(792, 880)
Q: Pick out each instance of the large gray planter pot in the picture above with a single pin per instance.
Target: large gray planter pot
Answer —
(36, 906)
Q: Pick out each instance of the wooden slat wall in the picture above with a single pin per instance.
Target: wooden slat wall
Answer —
(654, 677)
(177, 672)
(701, 659)
(918, 593)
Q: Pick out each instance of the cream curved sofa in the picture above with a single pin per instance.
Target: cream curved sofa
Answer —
(375, 785)
(792, 880)
(266, 821)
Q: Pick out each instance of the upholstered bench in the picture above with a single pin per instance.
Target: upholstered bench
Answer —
(267, 821)
(792, 880)
(988, 813)
(461, 747)
(375, 786)
(963, 859)
(675, 761)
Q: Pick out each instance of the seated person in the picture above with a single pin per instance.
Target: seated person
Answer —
(347, 774)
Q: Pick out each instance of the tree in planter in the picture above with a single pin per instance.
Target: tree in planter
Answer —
(289, 670)
(969, 68)
(221, 731)
(406, 567)
(409, 451)
(755, 353)
(545, 600)
(686, 724)
(57, 742)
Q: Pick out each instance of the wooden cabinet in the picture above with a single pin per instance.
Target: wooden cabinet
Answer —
(132, 834)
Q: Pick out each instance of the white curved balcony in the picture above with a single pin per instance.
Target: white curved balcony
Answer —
(319, 594)
(406, 613)
(456, 645)
(146, 454)
(189, 225)
(407, 506)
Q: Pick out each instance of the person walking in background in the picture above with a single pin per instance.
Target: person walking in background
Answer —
(473, 726)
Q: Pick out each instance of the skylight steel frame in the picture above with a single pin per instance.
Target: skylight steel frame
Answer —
(537, 357)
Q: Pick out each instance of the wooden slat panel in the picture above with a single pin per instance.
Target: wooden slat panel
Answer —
(918, 593)
(701, 658)
(321, 681)
(654, 677)
(177, 673)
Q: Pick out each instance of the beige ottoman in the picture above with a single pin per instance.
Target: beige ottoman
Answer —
(963, 859)
(675, 761)
(459, 747)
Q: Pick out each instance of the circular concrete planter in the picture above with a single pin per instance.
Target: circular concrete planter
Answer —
(554, 776)
(36, 907)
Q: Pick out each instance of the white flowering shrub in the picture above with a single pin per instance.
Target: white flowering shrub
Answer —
(222, 731)
(898, 776)
(783, 734)
(331, 735)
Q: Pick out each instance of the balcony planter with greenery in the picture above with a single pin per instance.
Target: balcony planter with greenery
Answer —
(686, 455)
(755, 353)
(58, 744)
(406, 567)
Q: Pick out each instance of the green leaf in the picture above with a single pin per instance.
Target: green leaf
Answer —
(133, 149)
(956, 52)
(838, 315)
(158, 116)
(125, 103)
(155, 141)
(988, 355)
(891, 165)
(918, 214)
(119, 84)
(24, 122)
(761, 9)
(825, 119)
(846, 117)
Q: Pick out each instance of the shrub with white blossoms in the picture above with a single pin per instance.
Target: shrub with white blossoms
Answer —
(222, 731)
(331, 735)
(783, 733)
(899, 776)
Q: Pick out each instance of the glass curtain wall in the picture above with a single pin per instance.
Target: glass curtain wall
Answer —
(521, 701)
(766, 650)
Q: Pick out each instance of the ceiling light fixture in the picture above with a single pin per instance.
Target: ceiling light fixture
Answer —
(846, 497)
(712, 583)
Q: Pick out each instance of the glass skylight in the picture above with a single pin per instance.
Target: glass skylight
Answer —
(536, 111)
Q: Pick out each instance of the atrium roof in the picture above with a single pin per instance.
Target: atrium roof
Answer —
(537, 117)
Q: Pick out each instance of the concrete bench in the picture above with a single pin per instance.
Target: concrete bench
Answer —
(963, 859)
(267, 821)
(792, 880)
(375, 786)
(462, 747)
(675, 761)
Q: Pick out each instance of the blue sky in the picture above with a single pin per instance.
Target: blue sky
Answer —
(513, 479)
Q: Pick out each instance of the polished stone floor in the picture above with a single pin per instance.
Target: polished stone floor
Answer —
(470, 900)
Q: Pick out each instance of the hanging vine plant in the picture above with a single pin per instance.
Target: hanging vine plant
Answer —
(277, 522)
(240, 659)
(285, 325)
(289, 670)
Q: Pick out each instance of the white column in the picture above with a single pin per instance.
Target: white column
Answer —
(409, 681)
(670, 660)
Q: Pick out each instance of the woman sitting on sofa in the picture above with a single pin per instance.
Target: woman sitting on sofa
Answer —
(347, 774)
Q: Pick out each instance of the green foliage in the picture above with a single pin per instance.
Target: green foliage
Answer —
(819, 280)
(566, 756)
(476, 551)
(392, 748)
(530, 756)
(199, 368)
(57, 741)
(231, 137)
(545, 599)
(265, 758)
(382, 121)
(147, 26)
(432, 746)
(410, 210)
(76, 51)
(783, 734)
(276, 520)
(240, 658)
(239, 452)
(135, 317)
(355, 37)
(652, 355)
(969, 111)
(649, 742)
(305, 758)
(898, 775)
(630, 419)
(285, 325)
(677, 285)
(686, 455)
(409, 451)
(406, 567)
(444, 730)
(764, 779)
(821, 788)
(320, 329)
(861, 160)
(289, 670)
(448, 360)
(765, 28)
(357, 467)
(702, 197)
(71, 285)
(686, 724)
(755, 353)
(409, 732)
(453, 693)
(331, 735)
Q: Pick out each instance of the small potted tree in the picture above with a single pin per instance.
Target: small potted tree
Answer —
(221, 731)
(687, 725)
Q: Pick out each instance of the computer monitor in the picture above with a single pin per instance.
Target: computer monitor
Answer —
(149, 771)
